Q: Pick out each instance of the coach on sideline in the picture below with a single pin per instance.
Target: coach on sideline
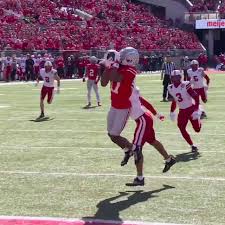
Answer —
(167, 68)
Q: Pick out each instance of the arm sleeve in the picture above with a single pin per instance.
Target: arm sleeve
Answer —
(148, 105)
(194, 95)
(207, 78)
(173, 106)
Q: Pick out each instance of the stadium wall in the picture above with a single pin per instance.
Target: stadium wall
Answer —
(174, 9)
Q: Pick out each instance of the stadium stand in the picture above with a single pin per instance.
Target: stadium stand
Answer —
(52, 25)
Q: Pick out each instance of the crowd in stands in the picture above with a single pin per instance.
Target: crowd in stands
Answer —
(222, 9)
(204, 5)
(45, 24)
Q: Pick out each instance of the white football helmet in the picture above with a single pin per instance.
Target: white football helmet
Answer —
(194, 62)
(48, 63)
(93, 60)
(129, 56)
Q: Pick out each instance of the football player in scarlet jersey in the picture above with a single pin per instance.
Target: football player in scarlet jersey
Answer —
(188, 102)
(144, 132)
(92, 72)
(121, 76)
(196, 76)
(49, 75)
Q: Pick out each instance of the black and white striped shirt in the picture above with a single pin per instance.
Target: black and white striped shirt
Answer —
(168, 67)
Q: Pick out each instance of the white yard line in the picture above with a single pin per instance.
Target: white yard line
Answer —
(96, 131)
(91, 148)
(21, 172)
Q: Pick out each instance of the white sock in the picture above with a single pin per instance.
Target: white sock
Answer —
(140, 177)
(126, 150)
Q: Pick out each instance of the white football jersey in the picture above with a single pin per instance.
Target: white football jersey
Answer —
(136, 108)
(180, 94)
(196, 78)
(48, 78)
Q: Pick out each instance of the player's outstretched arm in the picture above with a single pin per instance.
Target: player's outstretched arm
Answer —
(110, 75)
(148, 106)
(207, 78)
(57, 78)
(195, 96)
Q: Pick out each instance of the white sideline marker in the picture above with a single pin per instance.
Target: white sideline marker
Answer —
(78, 221)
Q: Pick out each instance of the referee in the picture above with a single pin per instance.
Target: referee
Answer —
(167, 68)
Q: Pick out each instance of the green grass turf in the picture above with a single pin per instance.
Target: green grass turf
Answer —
(74, 142)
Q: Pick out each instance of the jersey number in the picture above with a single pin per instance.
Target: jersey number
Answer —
(179, 97)
(91, 72)
(116, 88)
(195, 78)
(47, 79)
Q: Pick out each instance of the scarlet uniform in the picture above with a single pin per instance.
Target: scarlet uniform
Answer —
(92, 71)
(197, 80)
(120, 100)
(48, 86)
(121, 91)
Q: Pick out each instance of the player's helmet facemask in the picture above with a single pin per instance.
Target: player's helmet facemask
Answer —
(194, 65)
(176, 77)
(48, 66)
(129, 56)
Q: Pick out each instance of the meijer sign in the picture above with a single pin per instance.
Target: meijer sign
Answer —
(210, 24)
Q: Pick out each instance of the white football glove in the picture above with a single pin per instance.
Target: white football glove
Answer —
(196, 115)
(173, 116)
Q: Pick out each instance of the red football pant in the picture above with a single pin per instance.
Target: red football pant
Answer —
(201, 93)
(144, 131)
(183, 117)
(47, 91)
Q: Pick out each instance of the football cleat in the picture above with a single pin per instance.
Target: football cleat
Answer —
(88, 105)
(41, 116)
(137, 154)
(203, 115)
(169, 164)
(126, 158)
(194, 149)
(137, 182)
(99, 104)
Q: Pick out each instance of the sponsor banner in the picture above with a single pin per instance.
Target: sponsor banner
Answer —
(210, 24)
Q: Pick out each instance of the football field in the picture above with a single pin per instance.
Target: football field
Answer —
(66, 166)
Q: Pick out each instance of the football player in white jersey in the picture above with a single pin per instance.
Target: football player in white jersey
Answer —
(196, 76)
(144, 132)
(188, 102)
(49, 75)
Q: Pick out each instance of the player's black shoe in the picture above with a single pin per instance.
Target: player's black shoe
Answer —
(194, 149)
(41, 116)
(138, 154)
(136, 182)
(126, 158)
(169, 164)
(203, 116)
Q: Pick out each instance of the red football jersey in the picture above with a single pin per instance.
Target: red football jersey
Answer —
(121, 91)
(92, 71)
